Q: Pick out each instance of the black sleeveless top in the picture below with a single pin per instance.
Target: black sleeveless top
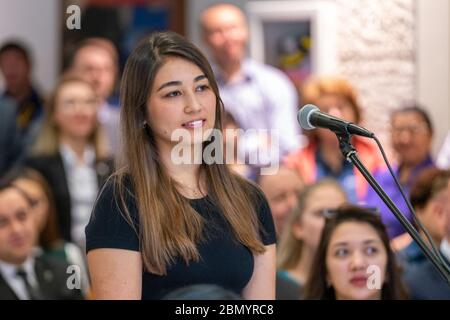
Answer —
(224, 261)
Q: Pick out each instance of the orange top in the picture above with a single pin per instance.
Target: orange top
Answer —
(304, 162)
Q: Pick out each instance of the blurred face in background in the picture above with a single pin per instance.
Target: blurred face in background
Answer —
(225, 32)
(353, 247)
(311, 222)
(281, 191)
(15, 70)
(39, 205)
(435, 215)
(17, 227)
(411, 138)
(75, 112)
(336, 106)
(97, 66)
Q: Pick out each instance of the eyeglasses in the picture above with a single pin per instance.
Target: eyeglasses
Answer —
(70, 104)
(412, 130)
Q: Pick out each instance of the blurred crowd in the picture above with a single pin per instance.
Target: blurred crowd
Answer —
(56, 152)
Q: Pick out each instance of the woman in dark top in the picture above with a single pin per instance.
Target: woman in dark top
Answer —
(70, 154)
(160, 223)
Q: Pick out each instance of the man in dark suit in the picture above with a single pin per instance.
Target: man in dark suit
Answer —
(10, 142)
(24, 273)
(430, 197)
(16, 68)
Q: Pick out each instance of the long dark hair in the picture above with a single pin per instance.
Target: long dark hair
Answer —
(169, 226)
(316, 287)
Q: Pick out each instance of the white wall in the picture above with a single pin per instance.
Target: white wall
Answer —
(37, 24)
(433, 57)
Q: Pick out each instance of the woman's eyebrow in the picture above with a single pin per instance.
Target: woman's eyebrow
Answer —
(200, 77)
(364, 242)
(169, 84)
(177, 82)
(339, 244)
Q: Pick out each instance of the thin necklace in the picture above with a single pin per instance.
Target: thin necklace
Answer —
(195, 190)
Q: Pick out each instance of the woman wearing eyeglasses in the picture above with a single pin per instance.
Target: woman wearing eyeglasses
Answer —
(354, 260)
(301, 235)
(412, 137)
(70, 153)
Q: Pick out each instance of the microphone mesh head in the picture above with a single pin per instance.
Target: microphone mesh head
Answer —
(304, 114)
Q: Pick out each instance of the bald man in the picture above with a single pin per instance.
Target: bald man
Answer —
(258, 96)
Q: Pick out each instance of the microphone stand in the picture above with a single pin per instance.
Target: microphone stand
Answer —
(349, 153)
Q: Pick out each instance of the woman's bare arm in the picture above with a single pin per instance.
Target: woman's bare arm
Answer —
(115, 274)
(262, 284)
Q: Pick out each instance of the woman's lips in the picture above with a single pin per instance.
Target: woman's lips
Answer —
(194, 124)
(82, 121)
(359, 281)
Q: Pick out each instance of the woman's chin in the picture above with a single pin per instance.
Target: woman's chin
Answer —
(362, 294)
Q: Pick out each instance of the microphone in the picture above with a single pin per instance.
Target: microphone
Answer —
(309, 117)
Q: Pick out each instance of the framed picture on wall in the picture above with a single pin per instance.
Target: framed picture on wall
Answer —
(298, 37)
